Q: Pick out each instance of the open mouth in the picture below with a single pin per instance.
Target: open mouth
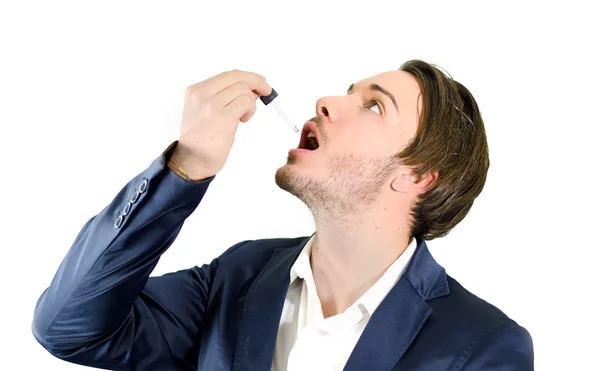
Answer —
(309, 139)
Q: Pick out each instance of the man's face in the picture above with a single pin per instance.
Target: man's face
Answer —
(357, 135)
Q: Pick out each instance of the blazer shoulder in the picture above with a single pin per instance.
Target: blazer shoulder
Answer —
(465, 314)
(488, 335)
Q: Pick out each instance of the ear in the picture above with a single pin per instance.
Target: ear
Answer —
(408, 181)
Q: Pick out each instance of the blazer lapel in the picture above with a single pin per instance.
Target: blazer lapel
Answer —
(401, 315)
(262, 311)
(390, 331)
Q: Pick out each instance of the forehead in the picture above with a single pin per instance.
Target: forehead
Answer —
(403, 86)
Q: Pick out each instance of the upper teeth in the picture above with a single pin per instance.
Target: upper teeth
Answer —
(311, 134)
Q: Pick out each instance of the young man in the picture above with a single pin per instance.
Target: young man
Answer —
(397, 161)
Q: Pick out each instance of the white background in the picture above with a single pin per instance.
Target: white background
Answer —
(92, 92)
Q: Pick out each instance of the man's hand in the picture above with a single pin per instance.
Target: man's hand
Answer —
(212, 111)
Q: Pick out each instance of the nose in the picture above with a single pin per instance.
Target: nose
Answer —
(329, 108)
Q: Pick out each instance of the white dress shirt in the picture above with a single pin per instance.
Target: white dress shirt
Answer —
(308, 341)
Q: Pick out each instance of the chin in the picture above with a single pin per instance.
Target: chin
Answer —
(291, 179)
(286, 177)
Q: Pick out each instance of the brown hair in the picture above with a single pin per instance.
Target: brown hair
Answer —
(451, 140)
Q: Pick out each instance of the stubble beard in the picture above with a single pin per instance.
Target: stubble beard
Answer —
(349, 186)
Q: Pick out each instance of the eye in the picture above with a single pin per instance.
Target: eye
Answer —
(374, 104)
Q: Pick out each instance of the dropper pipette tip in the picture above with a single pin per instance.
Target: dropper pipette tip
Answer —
(268, 100)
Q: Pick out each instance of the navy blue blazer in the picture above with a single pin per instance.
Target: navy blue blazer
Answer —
(102, 309)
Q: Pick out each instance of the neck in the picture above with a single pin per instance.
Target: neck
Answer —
(351, 252)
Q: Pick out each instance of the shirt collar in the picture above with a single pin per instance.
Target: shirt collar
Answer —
(376, 293)
(301, 268)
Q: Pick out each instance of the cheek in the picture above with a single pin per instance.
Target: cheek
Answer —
(358, 144)
(371, 143)
(380, 145)
(368, 147)
(396, 142)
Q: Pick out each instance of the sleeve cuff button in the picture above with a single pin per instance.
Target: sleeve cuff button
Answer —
(119, 221)
(144, 186)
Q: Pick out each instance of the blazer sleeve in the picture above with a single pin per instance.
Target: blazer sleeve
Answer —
(102, 309)
(507, 348)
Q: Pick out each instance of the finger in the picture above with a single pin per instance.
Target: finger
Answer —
(220, 82)
(242, 106)
(227, 95)
(248, 115)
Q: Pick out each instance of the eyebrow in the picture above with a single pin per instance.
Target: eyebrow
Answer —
(379, 88)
